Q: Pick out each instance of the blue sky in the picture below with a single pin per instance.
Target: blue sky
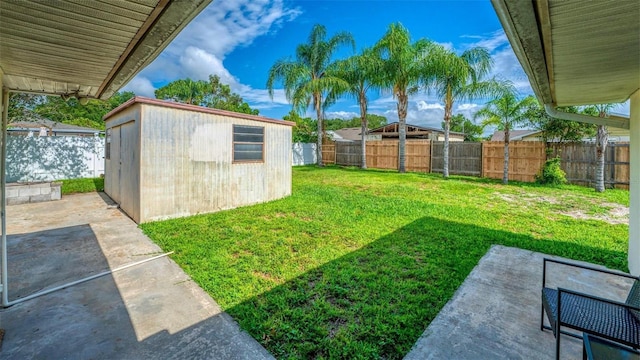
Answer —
(239, 40)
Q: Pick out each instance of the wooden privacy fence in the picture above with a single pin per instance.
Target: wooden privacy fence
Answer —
(348, 153)
(384, 155)
(465, 158)
(525, 159)
(486, 159)
(329, 153)
(578, 160)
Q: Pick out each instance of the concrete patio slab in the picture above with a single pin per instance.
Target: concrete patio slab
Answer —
(495, 314)
(152, 310)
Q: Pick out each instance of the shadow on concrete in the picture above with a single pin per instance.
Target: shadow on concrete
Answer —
(148, 311)
(376, 302)
(45, 259)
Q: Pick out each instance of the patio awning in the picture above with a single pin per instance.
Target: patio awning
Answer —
(576, 52)
(85, 48)
(583, 52)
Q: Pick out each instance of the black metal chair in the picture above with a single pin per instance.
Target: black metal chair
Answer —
(612, 320)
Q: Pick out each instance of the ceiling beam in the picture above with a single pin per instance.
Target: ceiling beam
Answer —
(142, 32)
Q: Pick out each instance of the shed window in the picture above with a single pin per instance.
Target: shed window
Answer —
(248, 143)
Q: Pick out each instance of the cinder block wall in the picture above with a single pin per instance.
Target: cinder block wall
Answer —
(31, 193)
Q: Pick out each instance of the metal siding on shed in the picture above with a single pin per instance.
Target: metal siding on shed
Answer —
(187, 164)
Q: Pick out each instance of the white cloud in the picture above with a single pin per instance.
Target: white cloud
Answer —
(260, 99)
(471, 36)
(423, 105)
(140, 85)
(506, 66)
(344, 115)
(383, 102)
(200, 49)
(505, 62)
(446, 45)
(491, 41)
(464, 107)
(199, 64)
(423, 110)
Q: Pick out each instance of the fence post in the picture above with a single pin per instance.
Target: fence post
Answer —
(430, 156)
(482, 160)
(613, 166)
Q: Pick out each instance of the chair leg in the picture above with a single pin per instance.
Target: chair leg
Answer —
(541, 317)
(558, 336)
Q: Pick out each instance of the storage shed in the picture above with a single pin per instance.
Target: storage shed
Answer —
(165, 159)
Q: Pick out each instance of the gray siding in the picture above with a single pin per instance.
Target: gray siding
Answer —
(186, 164)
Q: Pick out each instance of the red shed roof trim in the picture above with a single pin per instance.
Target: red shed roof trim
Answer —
(196, 108)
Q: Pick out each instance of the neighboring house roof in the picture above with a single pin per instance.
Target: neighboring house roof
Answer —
(347, 134)
(514, 135)
(36, 123)
(49, 124)
(392, 129)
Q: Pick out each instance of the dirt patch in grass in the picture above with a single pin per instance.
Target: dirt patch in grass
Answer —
(616, 214)
(577, 208)
(268, 277)
(335, 325)
(527, 198)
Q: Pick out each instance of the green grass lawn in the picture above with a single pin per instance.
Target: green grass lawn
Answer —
(356, 264)
(72, 186)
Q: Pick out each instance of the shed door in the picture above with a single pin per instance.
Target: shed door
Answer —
(128, 171)
(113, 189)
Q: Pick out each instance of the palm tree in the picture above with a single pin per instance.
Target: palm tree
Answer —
(362, 73)
(506, 112)
(404, 69)
(306, 80)
(458, 77)
(602, 140)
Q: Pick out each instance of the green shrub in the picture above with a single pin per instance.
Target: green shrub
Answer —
(551, 173)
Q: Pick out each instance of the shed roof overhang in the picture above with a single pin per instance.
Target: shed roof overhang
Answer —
(576, 52)
(85, 48)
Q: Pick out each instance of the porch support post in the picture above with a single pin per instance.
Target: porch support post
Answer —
(634, 185)
(3, 198)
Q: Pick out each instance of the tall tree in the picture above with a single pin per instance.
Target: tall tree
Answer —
(212, 94)
(373, 121)
(404, 69)
(22, 106)
(303, 132)
(72, 112)
(306, 80)
(602, 140)
(184, 90)
(471, 130)
(459, 77)
(362, 73)
(220, 96)
(558, 130)
(506, 112)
